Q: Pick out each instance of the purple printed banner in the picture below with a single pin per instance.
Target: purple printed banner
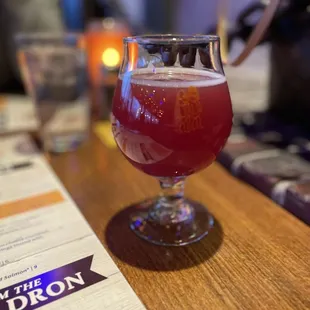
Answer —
(50, 286)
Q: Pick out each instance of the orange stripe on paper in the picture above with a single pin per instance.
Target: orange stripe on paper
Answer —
(30, 203)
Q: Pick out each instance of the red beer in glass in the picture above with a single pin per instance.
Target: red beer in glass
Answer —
(171, 117)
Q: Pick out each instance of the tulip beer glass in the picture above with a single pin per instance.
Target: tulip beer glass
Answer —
(171, 117)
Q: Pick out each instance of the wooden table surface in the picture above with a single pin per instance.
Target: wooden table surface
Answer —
(257, 257)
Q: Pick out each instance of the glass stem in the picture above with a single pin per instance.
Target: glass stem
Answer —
(171, 207)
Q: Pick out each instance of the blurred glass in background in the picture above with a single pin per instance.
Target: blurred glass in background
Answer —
(54, 72)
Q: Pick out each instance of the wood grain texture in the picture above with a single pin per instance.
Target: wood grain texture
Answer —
(257, 257)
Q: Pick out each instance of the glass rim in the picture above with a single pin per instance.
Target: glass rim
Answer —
(172, 38)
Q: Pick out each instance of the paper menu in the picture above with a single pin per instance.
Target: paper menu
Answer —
(49, 255)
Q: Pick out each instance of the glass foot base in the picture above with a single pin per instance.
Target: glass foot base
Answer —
(159, 230)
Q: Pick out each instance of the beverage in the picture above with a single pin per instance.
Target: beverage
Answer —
(171, 122)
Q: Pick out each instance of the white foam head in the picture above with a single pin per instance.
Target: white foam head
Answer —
(173, 77)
